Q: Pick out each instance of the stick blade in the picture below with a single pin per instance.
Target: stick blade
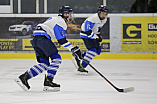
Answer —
(130, 89)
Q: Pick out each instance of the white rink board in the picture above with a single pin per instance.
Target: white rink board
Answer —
(115, 27)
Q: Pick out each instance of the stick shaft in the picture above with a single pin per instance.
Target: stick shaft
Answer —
(119, 90)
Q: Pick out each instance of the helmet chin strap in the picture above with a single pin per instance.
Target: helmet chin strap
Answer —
(65, 18)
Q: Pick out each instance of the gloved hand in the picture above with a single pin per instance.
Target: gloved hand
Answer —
(76, 52)
(99, 38)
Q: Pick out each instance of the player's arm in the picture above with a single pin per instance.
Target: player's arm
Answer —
(98, 34)
(60, 36)
(88, 29)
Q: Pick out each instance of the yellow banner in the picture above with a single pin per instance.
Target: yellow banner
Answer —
(26, 45)
(139, 34)
(8, 44)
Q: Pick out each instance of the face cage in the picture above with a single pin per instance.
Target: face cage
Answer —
(102, 11)
(72, 17)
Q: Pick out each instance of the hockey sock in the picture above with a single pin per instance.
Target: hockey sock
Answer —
(37, 69)
(90, 54)
(84, 53)
(54, 65)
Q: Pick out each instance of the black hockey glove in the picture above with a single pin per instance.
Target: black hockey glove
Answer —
(76, 52)
(100, 38)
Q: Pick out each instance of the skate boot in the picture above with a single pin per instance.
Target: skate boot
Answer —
(81, 70)
(50, 86)
(22, 81)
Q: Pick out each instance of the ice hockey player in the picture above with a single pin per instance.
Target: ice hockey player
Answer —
(90, 33)
(52, 28)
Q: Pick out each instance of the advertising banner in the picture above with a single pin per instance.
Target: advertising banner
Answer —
(9, 44)
(26, 45)
(139, 34)
(16, 33)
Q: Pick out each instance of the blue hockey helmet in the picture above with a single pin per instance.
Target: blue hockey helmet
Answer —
(64, 9)
(102, 8)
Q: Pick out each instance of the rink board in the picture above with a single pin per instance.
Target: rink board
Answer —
(103, 56)
(125, 37)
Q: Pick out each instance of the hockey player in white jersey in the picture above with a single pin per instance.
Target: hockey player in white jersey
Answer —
(53, 28)
(90, 33)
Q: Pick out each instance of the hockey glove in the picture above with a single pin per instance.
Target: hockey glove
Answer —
(76, 52)
(100, 38)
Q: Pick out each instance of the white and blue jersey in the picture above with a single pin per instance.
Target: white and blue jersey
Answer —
(92, 26)
(54, 28)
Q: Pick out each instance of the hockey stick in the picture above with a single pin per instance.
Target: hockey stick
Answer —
(125, 90)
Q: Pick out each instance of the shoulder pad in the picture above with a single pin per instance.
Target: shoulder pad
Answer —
(93, 18)
(61, 23)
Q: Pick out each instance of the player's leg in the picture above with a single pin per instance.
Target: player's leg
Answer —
(35, 70)
(90, 54)
(77, 63)
(94, 49)
(43, 60)
(22, 80)
(79, 67)
(50, 50)
(49, 85)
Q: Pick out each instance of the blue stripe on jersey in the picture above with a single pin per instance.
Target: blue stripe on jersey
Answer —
(67, 45)
(91, 37)
(59, 32)
(89, 25)
(49, 18)
(41, 33)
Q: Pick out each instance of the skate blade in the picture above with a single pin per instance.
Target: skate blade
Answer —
(74, 62)
(18, 81)
(81, 73)
(51, 89)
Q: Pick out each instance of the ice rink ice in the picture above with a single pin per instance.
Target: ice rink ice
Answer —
(80, 89)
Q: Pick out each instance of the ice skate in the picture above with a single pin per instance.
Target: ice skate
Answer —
(50, 86)
(22, 81)
(81, 70)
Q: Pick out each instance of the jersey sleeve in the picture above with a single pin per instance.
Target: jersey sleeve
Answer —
(60, 36)
(59, 32)
(88, 26)
(65, 43)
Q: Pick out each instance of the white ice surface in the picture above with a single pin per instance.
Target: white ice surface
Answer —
(79, 89)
